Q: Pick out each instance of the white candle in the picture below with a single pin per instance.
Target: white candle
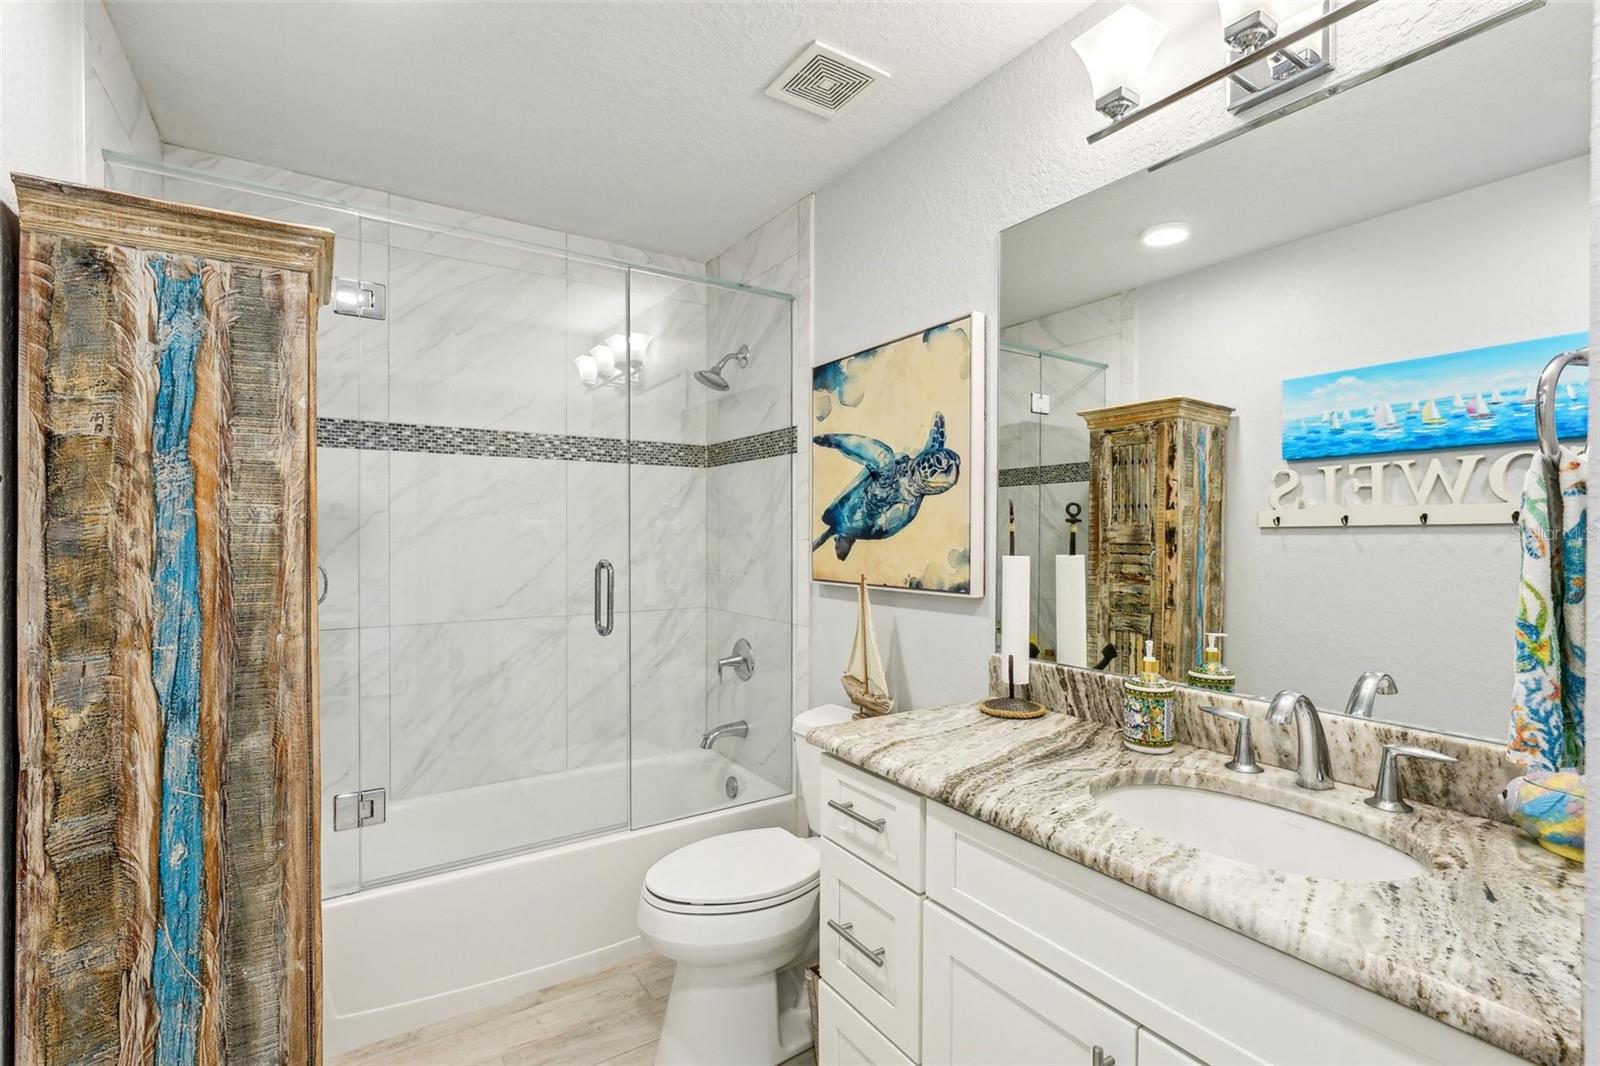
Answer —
(1072, 582)
(1016, 599)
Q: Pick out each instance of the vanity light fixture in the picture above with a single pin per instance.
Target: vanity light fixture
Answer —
(1295, 51)
(1117, 52)
(1249, 24)
(1165, 234)
(616, 362)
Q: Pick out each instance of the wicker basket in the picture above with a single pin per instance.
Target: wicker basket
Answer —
(813, 977)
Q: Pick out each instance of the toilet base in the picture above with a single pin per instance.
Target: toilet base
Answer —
(717, 1019)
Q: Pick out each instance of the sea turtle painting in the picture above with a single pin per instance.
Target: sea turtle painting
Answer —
(889, 491)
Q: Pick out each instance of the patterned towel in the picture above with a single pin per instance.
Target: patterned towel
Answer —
(1547, 695)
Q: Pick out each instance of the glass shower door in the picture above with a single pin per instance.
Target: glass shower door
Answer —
(493, 545)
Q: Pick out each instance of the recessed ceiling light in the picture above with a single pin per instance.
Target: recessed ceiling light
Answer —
(1165, 234)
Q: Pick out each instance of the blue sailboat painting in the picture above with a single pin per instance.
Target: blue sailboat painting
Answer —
(1468, 399)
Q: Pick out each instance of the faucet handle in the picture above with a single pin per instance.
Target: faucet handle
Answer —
(1244, 756)
(1387, 796)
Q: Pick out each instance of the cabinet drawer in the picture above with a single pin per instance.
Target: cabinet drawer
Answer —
(875, 821)
(1154, 1051)
(988, 1004)
(845, 1038)
(872, 945)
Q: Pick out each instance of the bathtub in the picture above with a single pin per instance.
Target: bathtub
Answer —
(421, 950)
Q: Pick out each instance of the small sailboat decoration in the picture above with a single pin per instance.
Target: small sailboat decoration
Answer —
(1477, 407)
(1335, 424)
(1572, 393)
(1458, 403)
(1430, 414)
(1416, 408)
(1383, 417)
(1527, 396)
(863, 677)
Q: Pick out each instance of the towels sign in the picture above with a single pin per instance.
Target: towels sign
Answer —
(1460, 490)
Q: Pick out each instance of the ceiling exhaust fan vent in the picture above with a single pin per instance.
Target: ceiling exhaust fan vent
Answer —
(824, 81)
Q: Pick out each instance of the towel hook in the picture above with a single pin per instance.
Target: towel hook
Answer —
(1549, 379)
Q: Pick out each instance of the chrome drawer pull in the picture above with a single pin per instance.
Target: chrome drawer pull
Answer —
(849, 811)
(875, 954)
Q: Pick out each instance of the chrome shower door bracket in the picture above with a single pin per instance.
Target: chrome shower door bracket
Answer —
(360, 299)
(352, 810)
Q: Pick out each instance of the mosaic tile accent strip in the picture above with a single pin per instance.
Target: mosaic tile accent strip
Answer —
(1054, 474)
(756, 446)
(461, 440)
(667, 453)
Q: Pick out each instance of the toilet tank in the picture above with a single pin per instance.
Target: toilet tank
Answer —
(808, 760)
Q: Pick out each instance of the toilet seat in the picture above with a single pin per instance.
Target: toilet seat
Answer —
(734, 873)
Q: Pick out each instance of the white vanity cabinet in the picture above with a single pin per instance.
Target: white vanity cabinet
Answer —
(996, 951)
(984, 1003)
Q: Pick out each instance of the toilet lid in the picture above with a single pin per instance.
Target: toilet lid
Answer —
(744, 867)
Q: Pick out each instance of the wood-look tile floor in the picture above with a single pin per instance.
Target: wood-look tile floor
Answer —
(610, 1018)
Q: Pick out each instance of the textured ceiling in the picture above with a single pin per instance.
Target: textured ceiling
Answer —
(641, 123)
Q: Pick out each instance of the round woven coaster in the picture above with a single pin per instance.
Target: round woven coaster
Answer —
(1011, 707)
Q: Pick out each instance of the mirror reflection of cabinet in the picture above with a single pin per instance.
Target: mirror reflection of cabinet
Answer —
(1155, 534)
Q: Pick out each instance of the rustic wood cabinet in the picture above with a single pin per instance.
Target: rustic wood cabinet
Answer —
(1155, 535)
(167, 842)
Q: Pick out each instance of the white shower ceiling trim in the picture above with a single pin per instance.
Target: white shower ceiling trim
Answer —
(645, 124)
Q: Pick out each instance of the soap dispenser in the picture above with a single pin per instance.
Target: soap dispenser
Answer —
(1147, 707)
(1211, 673)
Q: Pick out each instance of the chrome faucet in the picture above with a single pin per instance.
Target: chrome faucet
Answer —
(741, 728)
(1369, 686)
(1312, 769)
(1387, 795)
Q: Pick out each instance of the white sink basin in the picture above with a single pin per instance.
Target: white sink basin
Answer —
(1258, 833)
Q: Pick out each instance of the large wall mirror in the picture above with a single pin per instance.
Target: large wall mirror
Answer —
(1437, 210)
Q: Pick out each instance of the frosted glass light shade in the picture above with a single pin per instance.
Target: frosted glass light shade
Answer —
(603, 358)
(1117, 50)
(588, 372)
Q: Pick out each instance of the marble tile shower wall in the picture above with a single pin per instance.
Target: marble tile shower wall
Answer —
(458, 635)
(116, 114)
(758, 571)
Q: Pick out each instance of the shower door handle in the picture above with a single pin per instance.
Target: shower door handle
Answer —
(604, 567)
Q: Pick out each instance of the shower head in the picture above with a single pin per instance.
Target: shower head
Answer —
(713, 379)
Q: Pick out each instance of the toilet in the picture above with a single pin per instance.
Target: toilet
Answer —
(732, 911)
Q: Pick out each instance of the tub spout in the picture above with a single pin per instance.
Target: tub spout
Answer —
(740, 728)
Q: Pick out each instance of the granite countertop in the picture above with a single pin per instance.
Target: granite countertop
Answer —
(1489, 942)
